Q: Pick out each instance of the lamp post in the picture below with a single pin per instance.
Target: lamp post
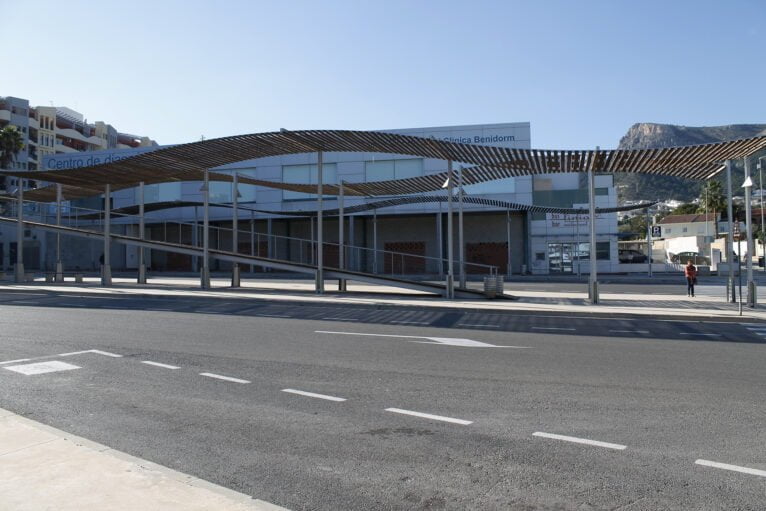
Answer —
(748, 185)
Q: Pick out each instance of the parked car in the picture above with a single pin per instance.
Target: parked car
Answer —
(628, 256)
(694, 257)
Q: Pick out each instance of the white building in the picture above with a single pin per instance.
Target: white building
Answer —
(539, 243)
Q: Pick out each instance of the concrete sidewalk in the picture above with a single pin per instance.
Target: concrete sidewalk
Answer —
(709, 304)
(42, 468)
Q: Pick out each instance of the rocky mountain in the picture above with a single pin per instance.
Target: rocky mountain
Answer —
(651, 135)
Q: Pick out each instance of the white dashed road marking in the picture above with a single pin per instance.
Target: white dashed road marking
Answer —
(479, 325)
(552, 328)
(225, 378)
(158, 364)
(51, 366)
(311, 394)
(579, 440)
(698, 333)
(629, 331)
(429, 416)
(733, 468)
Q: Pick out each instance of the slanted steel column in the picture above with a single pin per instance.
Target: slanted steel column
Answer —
(593, 277)
(205, 273)
(59, 263)
(320, 238)
(749, 226)
(341, 237)
(460, 242)
(730, 236)
(106, 271)
(20, 276)
(235, 280)
(141, 234)
(450, 248)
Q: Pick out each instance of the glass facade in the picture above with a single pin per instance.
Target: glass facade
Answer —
(307, 174)
(383, 170)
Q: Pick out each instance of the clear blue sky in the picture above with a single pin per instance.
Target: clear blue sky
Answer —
(580, 71)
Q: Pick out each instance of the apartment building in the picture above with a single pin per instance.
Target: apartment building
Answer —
(50, 130)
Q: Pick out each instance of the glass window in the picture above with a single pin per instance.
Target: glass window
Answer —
(307, 174)
(162, 192)
(603, 251)
(384, 170)
(507, 185)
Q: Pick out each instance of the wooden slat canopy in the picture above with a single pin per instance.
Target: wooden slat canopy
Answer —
(187, 162)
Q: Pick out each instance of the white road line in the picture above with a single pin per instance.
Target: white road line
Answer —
(552, 328)
(629, 331)
(226, 378)
(429, 416)
(158, 364)
(18, 360)
(579, 440)
(445, 341)
(697, 333)
(97, 352)
(478, 324)
(311, 394)
(733, 468)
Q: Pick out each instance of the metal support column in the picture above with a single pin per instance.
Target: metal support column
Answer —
(205, 273)
(320, 237)
(751, 296)
(341, 240)
(59, 263)
(235, 277)
(649, 239)
(141, 228)
(252, 238)
(440, 241)
(195, 239)
(509, 268)
(106, 270)
(270, 238)
(760, 198)
(460, 242)
(352, 253)
(20, 276)
(375, 241)
(450, 291)
(730, 236)
(593, 276)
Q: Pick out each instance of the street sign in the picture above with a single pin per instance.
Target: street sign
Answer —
(656, 231)
(736, 233)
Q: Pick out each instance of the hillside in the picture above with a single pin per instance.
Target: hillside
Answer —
(650, 135)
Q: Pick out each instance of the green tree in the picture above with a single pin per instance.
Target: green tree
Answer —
(11, 142)
(712, 198)
(685, 209)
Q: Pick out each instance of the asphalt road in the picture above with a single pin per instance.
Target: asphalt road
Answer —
(658, 395)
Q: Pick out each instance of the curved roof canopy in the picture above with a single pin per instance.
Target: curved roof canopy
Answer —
(369, 206)
(187, 162)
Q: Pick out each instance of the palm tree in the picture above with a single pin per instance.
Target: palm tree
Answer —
(11, 142)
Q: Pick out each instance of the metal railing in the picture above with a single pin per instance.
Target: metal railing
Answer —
(272, 246)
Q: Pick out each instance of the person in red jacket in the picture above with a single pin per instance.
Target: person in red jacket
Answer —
(691, 277)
